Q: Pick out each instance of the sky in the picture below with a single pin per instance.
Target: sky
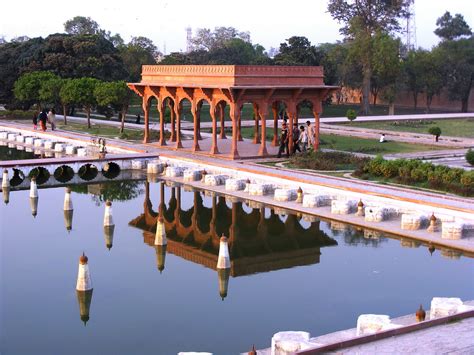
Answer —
(164, 21)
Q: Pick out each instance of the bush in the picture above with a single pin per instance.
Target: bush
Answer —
(351, 115)
(470, 156)
(467, 179)
(435, 131)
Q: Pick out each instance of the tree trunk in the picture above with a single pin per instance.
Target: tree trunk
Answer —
(375, 94)
(391, 108)
(366, 91)
(124, 113)
(429, 99)
(88, 110)
(436, 138)
(65, 114)
(415, 98)
(464, 105)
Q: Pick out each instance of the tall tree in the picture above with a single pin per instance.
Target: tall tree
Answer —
(207, 40)
(362, 19)
(450, 28)
(413, 67)
(458, 64)
(67, 96)
(81, 92)
(115, 94)
(297, 51)
(80, 25)
(139, 51)
(27, 88)
(432, 76)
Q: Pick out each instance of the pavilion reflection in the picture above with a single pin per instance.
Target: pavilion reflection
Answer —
(256, 243)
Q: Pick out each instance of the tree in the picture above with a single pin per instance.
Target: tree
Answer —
(115, 94)
(27, 87)
(435, 131)
(432, 75)
(458, 66)
(470, 156)
(80, 92)
(451, 28)
(297, 51)
(362, 19)
(50, 89)
(67, 96)
(413, 68)
(140, 51)
(387, 67)
(205, 39)
(80, 25)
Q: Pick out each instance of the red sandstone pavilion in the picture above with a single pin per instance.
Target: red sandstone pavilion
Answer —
(265, 87)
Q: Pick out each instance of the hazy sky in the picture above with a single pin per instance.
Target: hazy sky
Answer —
(164, 21)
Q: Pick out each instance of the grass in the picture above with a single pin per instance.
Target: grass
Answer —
(357, 145)
(449, 127)
(102, 130)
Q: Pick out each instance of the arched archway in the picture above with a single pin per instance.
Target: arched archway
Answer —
(64, 173)
(88, 172)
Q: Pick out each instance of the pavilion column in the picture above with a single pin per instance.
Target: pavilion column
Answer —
(316, 129)
(198, 118)
(172, 119)
(194, 112)
(221, 109)
(212, 111)
(146, 110)
(239, 128)
(256, 136)
(262, 112)
(292, 115)
(161, 110)
(178, 125)
(275, 125)
(235, 117)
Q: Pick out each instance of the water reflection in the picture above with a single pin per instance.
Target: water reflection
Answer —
(259, 241)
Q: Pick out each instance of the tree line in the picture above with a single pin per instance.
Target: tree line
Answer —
(370, 59)
(40, 88)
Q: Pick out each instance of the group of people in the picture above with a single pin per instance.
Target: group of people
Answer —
(45, 116)
(303, 138)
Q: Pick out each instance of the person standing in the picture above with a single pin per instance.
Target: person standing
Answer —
(52, 118)
(296, 138)
(35, 121)
(310, 133)
(303, 139)
(283, 141)
(43, 118)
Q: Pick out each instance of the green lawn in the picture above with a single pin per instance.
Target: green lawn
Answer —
(449, 127)
(102, 130)
(358, 145)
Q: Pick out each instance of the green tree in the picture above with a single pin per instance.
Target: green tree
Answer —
(205, 39)
(451, 28)
(435, 131)
(80, 92)
(115, 94)
(432, 75)
(458, 67)
(387, 67)
(297, 51)
(413, 67)
(80, 25)
(140, 51)
(362, 19)
(50, 89)
(67, 96)
(28, 87)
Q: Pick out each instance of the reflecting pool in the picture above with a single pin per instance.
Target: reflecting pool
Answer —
(11, 152)
(288, 272)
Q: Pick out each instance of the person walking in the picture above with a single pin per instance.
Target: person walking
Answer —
(52, 118)
(283, 141)
(43, 118)
(296, 138)
(310, 133)
(303, 139)
(35, 121)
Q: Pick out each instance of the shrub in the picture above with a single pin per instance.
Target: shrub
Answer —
(435, 131)
(419, 174)
(467, 179)
(470, 156)
(351, 115)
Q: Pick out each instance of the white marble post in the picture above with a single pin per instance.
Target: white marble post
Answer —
(84, 281)
(108, 218)
(223, 260)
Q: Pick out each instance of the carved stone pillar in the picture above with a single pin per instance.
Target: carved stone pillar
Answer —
(235, 117)
(214, 149)
(291, 112)
(221, 109)
(316, 130)
(240, 126)
(146, 110)
(172, 119)
(262, 112)
(178, 125)
(161, 110)
(198, 116)
(194, 112)
(275, 125)
(256, 136)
